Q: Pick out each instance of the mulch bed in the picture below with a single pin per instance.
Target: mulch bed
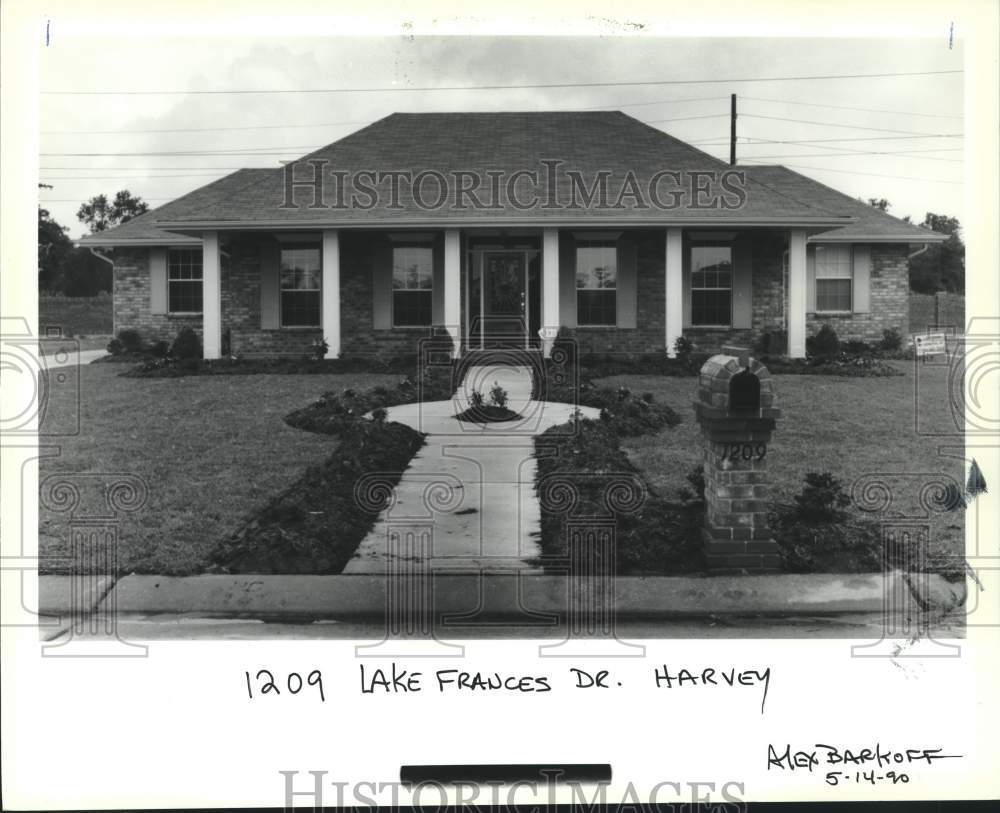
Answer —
(487, 413)
(316, 524)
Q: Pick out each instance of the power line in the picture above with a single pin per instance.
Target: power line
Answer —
(872, 174)
(842, 107)
(403, 89)
(904, 154)
(203, 129)
(748, 139)
(688, 118)
(831, 124)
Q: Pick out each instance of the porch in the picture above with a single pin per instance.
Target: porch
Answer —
(372, 291)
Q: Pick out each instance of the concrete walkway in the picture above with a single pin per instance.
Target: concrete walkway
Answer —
(467, 500)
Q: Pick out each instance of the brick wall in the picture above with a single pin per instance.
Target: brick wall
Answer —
(241, 302)
(889, 304)
(131, 292)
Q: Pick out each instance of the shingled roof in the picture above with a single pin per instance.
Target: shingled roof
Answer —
(589, 142)
(870, 224)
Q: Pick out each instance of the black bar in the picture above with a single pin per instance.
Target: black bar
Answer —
(481, 774)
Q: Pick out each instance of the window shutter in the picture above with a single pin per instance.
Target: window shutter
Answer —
(437, 281)
(626, 294)
(810, 279)
(686, 284)
(382, 286)
(158, 280)
(742, 284)
(567, 280)
(862, 279)
(270, 295)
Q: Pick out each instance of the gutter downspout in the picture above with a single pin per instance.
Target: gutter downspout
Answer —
(918, 252)
(109, 261)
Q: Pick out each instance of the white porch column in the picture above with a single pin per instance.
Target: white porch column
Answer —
(453, 287)
(331, 291)
(550, 290)
(674, 289)
(211, 271)
(797, 293)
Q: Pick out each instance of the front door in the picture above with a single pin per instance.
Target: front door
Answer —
(504, 299)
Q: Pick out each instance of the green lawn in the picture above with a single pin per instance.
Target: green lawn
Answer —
(848, 426)
(210, 448)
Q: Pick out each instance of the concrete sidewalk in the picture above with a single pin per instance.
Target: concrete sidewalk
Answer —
(468, 496)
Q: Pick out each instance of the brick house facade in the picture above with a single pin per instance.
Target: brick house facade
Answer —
(259, 270)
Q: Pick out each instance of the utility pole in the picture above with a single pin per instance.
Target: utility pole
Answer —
(732, 129)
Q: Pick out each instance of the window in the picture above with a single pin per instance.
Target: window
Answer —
(300, 281)
(834, 278)
(596, 283)
(184, 280)
(712, 286)
(412, 284)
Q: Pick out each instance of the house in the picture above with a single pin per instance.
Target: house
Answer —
(500, 229)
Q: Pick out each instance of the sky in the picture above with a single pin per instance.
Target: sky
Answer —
(892, 137)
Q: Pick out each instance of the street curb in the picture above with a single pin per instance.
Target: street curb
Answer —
(514, 595)
(55, 593)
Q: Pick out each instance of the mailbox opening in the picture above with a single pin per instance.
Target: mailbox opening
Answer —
(744, 392)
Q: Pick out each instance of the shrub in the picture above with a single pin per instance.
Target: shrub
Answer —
(498, 396)
(131, 340)
(822, 499)
(320, 347)
(187, 345)
(892, 340)
(159, 349)
(115, 347)
(683, 349)
(855, 347)
(696, 477)
(824, 346)
(476, 400)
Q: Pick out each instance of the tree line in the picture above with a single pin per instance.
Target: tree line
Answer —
(65, 269)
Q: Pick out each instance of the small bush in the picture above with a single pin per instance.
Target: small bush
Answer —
(115, 347)
(855, 348)
(824, 346)
(131, 340)
(187, 345)
(159, 349)
(320, 347)
(498, 396)
(822, 499)
(684, 349)
(476, 400)
(892, 340)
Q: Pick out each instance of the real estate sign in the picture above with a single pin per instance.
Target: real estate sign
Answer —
(929, 344)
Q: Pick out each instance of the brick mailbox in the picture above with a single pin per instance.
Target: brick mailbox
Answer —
(736, 410)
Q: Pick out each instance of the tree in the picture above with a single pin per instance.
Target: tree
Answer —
(879, 203)
(99, 215)
(53, 246)
(942, 266)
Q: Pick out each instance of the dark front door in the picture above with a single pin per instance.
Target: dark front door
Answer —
(504, 298)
